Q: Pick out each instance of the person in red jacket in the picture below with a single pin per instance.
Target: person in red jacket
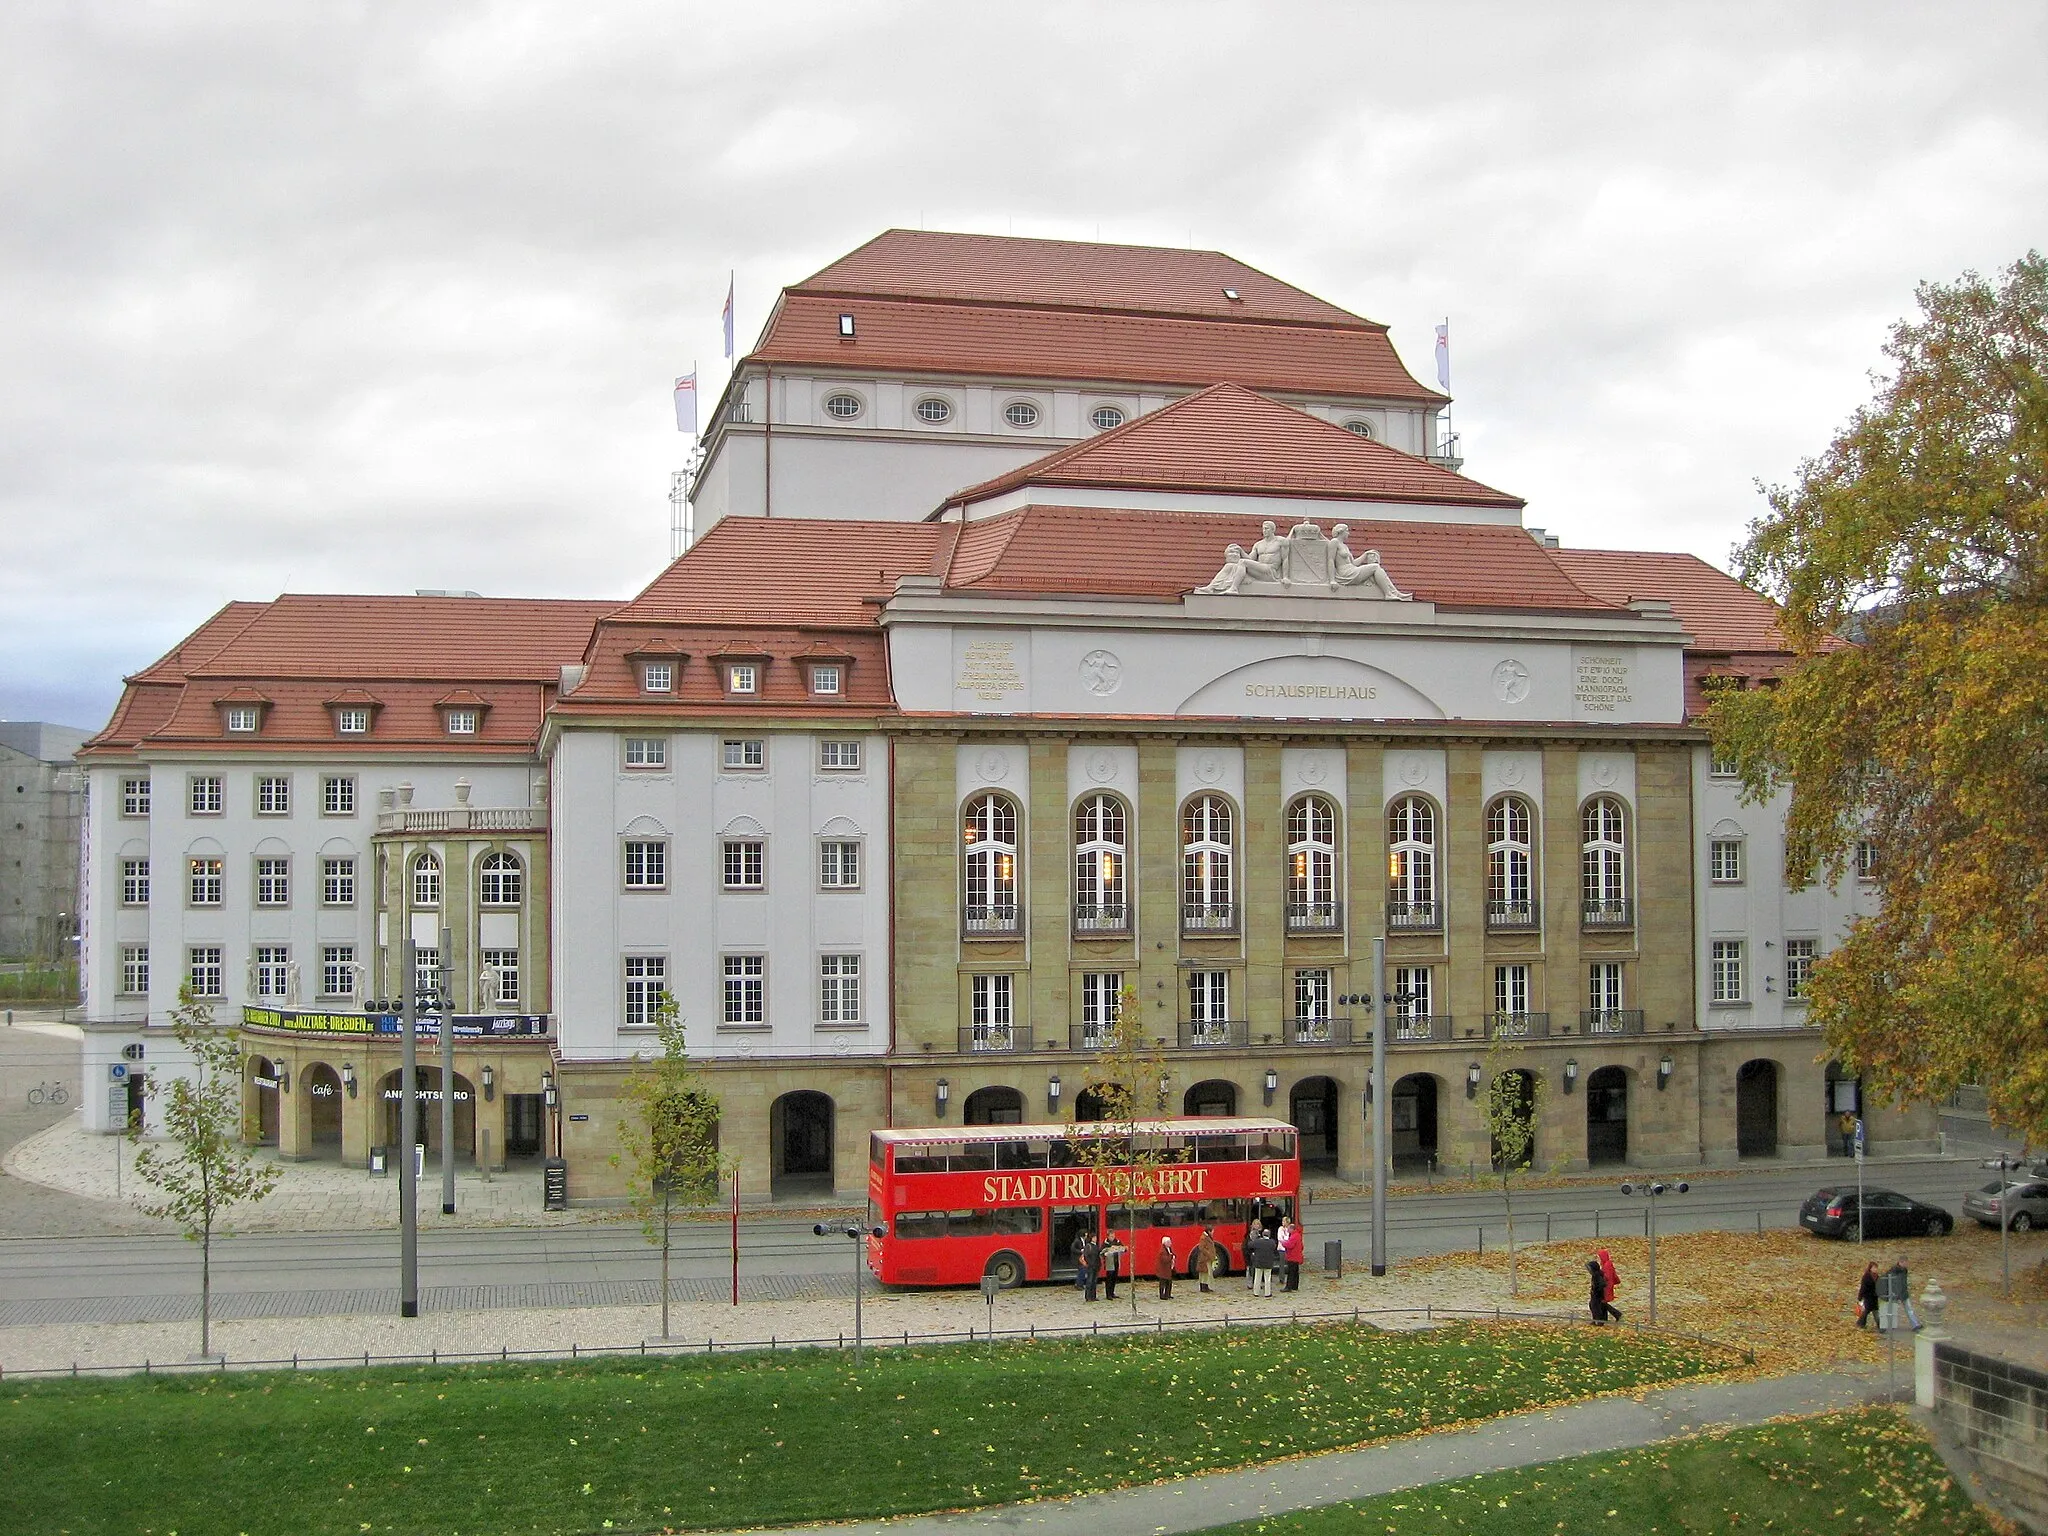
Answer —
(1292, 1246)
(1608, 1274)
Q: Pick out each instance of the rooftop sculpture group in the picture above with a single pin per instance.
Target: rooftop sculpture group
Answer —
(1306, 563)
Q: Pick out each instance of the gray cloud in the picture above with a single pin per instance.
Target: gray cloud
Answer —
(375, 297)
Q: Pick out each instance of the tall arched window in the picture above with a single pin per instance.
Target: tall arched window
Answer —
(1312, 904)
(1603, 865)
(426, 881)
(988, 838)
(500, 881)
(1101, 901)
(1411, 864)
(1207, 895)
(1510, 864)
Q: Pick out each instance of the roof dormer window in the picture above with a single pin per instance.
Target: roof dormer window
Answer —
(1233, 295)
(743, 677)
(461, 722)
(657, 677)
(827, 680)
(244, 719)
(352, 720)
(846, 327)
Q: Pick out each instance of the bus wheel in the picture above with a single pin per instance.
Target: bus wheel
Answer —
(1007, 1270)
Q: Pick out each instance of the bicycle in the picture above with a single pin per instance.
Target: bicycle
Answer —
(50, 1093)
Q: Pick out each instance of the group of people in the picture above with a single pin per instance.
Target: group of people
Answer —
(1884, 1297)
(1606, 1280)
(1273, 1245)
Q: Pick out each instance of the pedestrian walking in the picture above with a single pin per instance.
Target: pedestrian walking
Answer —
(1597, 1294)
(1113, 1253)
(1866, 1295)
(1292, 1247)
(1208, 1257)
(1163, 1268)
(1898, 1297)
(1613, 1279)
(1261, 1253)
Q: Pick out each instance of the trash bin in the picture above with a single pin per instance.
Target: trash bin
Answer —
(378, 1164)
(555, 1184)
(1333, 1258)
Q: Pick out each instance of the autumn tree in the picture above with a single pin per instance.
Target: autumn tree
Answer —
(1128, 1080)
(1918, 533)
(1511, 1099)
(202, 1167)
(668, 1139)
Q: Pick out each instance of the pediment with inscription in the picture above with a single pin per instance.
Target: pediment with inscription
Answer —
(1304, 562)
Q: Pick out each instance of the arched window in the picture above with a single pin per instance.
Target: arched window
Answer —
(1207, 896)
(1100, 897)
(500, 881)
(1312, 904)
(1510, 864)
(426, 881)
(988, 838)
(1603, 865)
(1411, 864)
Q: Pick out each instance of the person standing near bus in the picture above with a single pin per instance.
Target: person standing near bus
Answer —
(1085, 1255)
(1113, 1254)
(1208, 1258)
(1292, 1248)
(1261, 1253)
(1163, 1268)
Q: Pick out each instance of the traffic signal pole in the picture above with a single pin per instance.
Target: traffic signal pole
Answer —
(408, 1132)
(1379, 1106)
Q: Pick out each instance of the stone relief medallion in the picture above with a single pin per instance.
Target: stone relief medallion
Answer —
(1101, 672)
(841, 1045)
(1413, 770)
(1101, 766)
(1314, 769)
(993, 766)
(1605, 772)
(746, 1047)
(1511, 682)
(1209, 767)
(1512, 770)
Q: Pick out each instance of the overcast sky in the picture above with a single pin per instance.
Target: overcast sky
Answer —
(368, 297)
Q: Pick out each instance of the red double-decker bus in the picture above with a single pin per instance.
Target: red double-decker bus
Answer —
(1009, 1200)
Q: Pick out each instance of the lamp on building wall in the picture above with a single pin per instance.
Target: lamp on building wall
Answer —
(284, 1078)
(348, 1078)
(941, 1092)
(1571, 1073)
(1164, 1083)
(490, 1078)
(1664, 1072)
(1472, 1081)
(1052, 1093)
(1272, 1084)
(547, 1089)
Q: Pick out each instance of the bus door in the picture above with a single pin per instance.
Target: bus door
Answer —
(1068, 1222)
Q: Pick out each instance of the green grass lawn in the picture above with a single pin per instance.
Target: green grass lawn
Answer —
(748, 1440)
(1865, 1471)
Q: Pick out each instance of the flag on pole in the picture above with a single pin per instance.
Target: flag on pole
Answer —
(1443, 355)
(686, 403)
(728, 317)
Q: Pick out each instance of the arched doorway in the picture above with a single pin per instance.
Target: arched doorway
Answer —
(1212, 1096)
(322, 1087)
(1312, 1108)
(1521, 1087)
(1607, 1116)
(1088, 1105)
(1411, 1121)
(1756, 1109)
(259, 1100)
(800, 1142)
(993, 1106)
(427, 1133)
(1844, 1107)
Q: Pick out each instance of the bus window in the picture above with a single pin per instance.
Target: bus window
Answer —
(1020, 1154)
(1060, 1155)
(974, 1157)
(875, 1153)
(1218, 1149)
(920, 1224)
(981, 1223)
(1019, 1220)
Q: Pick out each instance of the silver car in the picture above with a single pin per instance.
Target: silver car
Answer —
(2024, 1203)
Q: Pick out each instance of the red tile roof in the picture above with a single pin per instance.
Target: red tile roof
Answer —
(787, 571)
(1718, 611)
(1162, 556)
(996, 269)
(1107, 348)
(1229, 439)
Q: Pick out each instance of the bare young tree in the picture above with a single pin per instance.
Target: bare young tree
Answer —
(1512, 1097)
(205, 1168)
(669, 1139)
(1128, 1079)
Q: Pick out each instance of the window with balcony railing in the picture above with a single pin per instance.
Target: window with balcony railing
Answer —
(1209, 1021)
(988, 835)
(1603, 866)
(1101, 865)
(1312, 904)
(992, 1016)
(1411, 865)
(1510, 864)
(1208, 891)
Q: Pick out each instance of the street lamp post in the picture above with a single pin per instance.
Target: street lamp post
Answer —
(1376, 1093)
(1651, 1191)
(857, 1233)
(2005, 1187)
(408, 1111)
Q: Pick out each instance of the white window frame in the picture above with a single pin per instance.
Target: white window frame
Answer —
(1411, 853)
(991, 828)
(272, 968)
(206, 795)
(491, 873)
(426, 973)
(657, 677)
(991, 1010)
(1603, 852)
(1800, 956)
(135, 970)
(337, 970)
(337, 880)
(743, 864)
(1725, 861)
(743, 991)
(461, 722)
(135, 882)
(743, 677)
(734, 752)
(1208, 852)
(939, 414)
(839, 754)
(1101, 996)
(651, 868)
(1511, 858)
(206, 881)
(1313, 992)
(1026, 409)
(837, 857)
(428, 884)
(828, 679)
(352, 720)
(645, 983)
(502, 966)
(1101, 859)
(1726, 970)
(1511, 989)
(1604, 986)
(243, 719)
(1866, 859)
(1415, 992)
(338, 794)
(1719, 767)
(204, 973)
(859, 406)
(273, 881)
(1208, 1003)
(1312, 853)
(135, 798)
(1096, 413)
(273, 794)
(646, 754)
(839, 992)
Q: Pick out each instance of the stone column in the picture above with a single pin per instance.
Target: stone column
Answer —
(1049, 883)
(1262, 889)
(1158, 882)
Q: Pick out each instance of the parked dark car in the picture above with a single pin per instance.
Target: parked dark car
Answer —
(2026, 1201)
(1886, 1213)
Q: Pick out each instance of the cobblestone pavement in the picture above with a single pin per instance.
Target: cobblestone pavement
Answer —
(36, 1052)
